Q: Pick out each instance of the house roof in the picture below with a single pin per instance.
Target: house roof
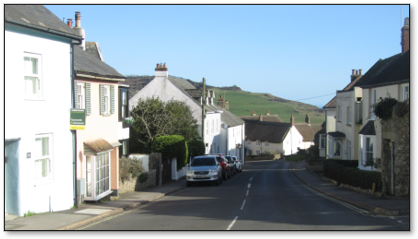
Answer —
(348, 87)
(337, 134)
(308, 131)
(40, 18)
(227, 117)
(273, 132)
(267, 118)
(180, 83)
(392, 70)
(368, 128)
(93, 49)
(86, 64)
(99, 145)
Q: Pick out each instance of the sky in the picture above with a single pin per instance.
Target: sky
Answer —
(297, 52)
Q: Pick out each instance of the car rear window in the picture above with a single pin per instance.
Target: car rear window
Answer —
(219, 159)
(203, 162)
(229, 159)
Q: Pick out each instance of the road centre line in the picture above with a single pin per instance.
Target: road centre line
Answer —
(233, 222)
(251, 179)
(242, 207)
(249, 185)
(247, 192)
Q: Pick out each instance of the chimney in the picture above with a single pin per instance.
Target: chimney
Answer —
(267, 113)
(354, 74)
(308, 119)
(360, 72)
(261, 117)
(221, 102)
(253, 113)
(161, 70)
(70, 22)
(79, 29)
(292, 120)
(405, 36)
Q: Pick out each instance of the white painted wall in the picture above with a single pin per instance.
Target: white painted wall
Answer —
(26, 118)
(330, 114)
(213, 132)
(292, 141)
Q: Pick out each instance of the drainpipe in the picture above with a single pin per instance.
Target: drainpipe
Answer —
(74, 132)
(203, 112)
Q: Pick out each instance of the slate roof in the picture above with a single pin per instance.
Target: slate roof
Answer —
(368, 128)
(40, 18)
(308, 131)
(337, 134)
(84, 63)
(267, 118)
(392, 70)
(227, 117)
(272, 132)
(93, 49)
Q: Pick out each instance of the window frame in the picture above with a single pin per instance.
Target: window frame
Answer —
(349, 115)
(372, 103)
(340, 114)
(257, 142)
(80, 92)
(39, 82)
(266, 143)
(322, 137)
(404, 93)
(50, 157)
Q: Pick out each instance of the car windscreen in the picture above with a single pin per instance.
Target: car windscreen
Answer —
(229, 159)
(203, 162)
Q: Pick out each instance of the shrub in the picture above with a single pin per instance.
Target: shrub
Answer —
(143, 177)
(196, 148)
(346, 172)
(170, 147)
(129, 167)
(383, 109)
(313, 151)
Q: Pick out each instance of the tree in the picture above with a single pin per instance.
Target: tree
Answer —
(154, 118)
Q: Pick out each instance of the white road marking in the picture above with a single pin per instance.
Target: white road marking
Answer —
(233, 222)
(243, 204)
(247, 192)
(249, 185)
(251, 179)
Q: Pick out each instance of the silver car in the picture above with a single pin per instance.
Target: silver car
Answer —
(204, 169)
(238, 164)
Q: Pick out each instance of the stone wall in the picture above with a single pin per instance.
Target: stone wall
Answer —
(132, 184)
(396, 132)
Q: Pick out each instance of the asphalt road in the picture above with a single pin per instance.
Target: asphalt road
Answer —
(265, 196)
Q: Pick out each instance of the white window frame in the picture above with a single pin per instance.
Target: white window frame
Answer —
(322, 140)
(349, 149)
(257, 142)
(124, 104)
(404, 92)
(37, 155)
(257, 152)
(364, 151)
(212, 126)
(349, 115)
(81, 102)
(101, 173)
(372, 102)
(266, 143)
(106, 97)
(31, 75)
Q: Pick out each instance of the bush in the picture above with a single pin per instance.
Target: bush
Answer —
(346, 172)
(313, 151)
(383, 109)
(171, 147)
(129, 167)
(196, 148)
(143, 177)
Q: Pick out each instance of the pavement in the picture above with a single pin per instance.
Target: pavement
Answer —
(87, 213)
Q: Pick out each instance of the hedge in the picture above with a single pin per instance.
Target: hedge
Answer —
(171, 147)
(196, 148)
(346, 172)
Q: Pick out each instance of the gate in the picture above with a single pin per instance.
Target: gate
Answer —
(155, 163)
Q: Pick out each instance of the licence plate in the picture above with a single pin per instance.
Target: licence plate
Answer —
(201, 176)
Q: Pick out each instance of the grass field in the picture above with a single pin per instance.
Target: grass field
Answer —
(242, 103)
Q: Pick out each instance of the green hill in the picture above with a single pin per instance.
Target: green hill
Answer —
(243, 103)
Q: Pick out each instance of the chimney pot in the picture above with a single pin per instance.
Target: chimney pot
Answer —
(352, 72)
(253, 113)
(267, 112)
(356, 72)
(360, 71)
(261, 117)
(165, 66)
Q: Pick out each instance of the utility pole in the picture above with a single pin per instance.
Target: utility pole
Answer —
(203, 112)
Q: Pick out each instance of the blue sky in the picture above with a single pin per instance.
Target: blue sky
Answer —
(294, 52)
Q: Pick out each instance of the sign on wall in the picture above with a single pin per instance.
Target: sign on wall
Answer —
(77, 119)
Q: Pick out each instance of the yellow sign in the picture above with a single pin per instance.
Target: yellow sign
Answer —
(77, 119)
(77, 127)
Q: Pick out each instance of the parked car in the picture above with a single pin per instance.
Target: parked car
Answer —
(231, 163)
(226, 169)
(238, 164)
(204, 169)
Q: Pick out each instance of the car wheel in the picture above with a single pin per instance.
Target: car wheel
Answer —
(218, 182)
(188, 184)
(224, 176)
(230, 174)
(221, 178)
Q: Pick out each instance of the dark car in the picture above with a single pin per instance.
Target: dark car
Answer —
(231, 163)
(226, 169)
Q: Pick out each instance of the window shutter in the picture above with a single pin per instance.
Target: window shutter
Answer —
(112, 99)
(88, 102)
(102, 103)
(75, 94)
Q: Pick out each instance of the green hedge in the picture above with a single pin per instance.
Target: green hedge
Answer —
(170, 147)
(196, 148)
(346, 172)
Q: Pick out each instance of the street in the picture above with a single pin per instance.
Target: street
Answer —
(265, 196)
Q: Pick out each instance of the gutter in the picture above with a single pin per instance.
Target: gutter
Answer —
(100, 78)
(48, 30)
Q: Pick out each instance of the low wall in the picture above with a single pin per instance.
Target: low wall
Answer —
(132, 184)
(176, 175)
(259, 157)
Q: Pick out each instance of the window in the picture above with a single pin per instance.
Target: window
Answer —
(322, 141)
(337, 148)
(88, 177)
(340, 114)
(212, 126)
(217, 126)
(348, 149)
(349, 115)
(107, 100)
(249, 142)
(257, 152)
(33, 79)
(360, 151)
(405, 92)
(79, 95)
(124, 103)
(369, 149)
(207, 127)
(372, 103)
(257, 142)
(266, 144)
(102, 173)
(42, 155)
